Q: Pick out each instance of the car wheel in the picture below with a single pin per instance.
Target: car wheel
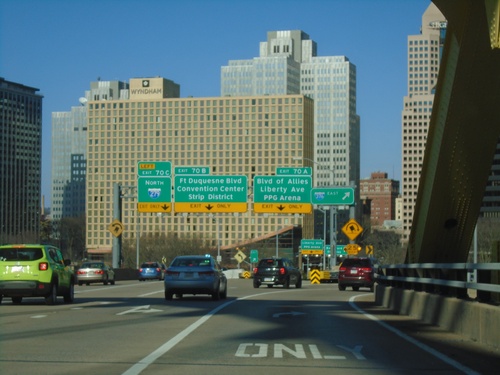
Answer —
(80, 283)
(299, 283)
(355, 288)
(223, 294)
(269, 285)
(286, 285)
(216, 293)
(371, 288)
(69, 296)
(17, 300)
(178, 295)
(105, 282)
(341, 287)
(168, 295)
(256, 284)
(112, 282)
(51, 298)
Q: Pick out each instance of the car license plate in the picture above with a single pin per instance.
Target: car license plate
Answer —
(188, 274)
(268, 279)
(17, 268)
(354, 272)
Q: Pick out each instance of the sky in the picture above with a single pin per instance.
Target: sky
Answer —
(61, 46)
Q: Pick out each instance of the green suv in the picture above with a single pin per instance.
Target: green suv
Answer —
(35, 271)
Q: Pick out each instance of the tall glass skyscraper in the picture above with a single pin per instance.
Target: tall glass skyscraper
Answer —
(288, 64)
(69, 150)
(20, 162)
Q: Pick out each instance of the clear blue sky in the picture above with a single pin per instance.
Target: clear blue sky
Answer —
(60, 46)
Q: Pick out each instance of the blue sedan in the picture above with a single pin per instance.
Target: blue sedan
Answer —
(150, 271)
(195, 274)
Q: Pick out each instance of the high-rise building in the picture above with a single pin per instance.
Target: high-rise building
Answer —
(251, 135)
(381, 192)
(20, 162)
(69, 151)
(288, 64)
(424, 57)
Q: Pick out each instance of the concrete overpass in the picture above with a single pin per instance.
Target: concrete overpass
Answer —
(463, 134)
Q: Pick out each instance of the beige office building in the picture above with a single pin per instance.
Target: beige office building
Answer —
(424, 56)
(251, 135)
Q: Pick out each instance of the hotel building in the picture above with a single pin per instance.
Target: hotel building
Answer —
(251, 135)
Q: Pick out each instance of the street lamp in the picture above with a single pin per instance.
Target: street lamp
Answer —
(333, 218)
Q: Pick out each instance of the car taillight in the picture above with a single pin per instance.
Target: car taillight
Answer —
(80, 272)
(342, 269)
(255, 270)
(158, 270)
(44, 266)
(99, 272)
(366, 269)
(172, 273)
(282, 271)
(140, 269)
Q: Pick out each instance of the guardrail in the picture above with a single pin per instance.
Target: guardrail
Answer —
(453, 279)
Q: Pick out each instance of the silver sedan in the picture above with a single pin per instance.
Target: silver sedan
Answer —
(95, 272)
(195, 274)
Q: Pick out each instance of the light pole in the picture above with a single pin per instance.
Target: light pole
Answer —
(333, 218)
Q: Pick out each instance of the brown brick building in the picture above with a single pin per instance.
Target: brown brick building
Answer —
(379, 194)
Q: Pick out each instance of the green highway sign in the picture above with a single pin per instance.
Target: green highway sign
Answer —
(154, 194)
(154, 169)
(311, 244)
(282, 189)
(303, 171)
(332, 196)
(191, 170)
(210, 194)
(282, 194)
(339, 250)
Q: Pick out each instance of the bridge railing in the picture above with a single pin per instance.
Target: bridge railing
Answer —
(453, 279)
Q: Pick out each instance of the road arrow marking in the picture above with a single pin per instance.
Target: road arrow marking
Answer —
(139, 309)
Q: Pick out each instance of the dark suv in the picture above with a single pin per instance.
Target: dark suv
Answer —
(356, 273)
(276, 271)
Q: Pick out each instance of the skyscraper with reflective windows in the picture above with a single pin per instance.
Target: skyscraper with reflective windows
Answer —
(288, 64)
(69, 151)
(20, 162)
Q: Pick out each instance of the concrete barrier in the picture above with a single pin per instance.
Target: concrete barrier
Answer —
(477, 321)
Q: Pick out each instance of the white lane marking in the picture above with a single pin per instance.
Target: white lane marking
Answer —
(410, 339)
(38, 316)
(289, 313)
(151, 293)
(150, 358)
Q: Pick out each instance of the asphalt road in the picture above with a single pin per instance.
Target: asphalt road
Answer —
(130, 329)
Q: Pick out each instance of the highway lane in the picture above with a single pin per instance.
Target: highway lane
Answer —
(129, 329)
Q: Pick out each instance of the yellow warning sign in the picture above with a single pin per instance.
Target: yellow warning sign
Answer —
(352, 249)
(352, 229)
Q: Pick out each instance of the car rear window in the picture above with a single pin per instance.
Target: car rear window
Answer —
(92, 265)
(13, 254)
(356, 263)
(191, 262)
(149, 265)
(269, 263)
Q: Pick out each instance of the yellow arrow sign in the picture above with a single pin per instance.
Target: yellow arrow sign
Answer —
(208, 208)
(283, 208)
(116, 227)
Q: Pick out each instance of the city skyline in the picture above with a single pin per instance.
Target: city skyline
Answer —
(61, 47)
